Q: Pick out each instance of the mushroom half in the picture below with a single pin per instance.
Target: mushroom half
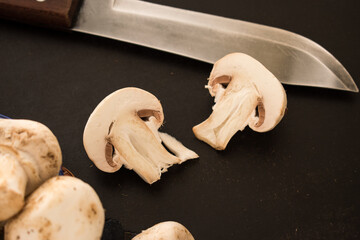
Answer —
(29, 155)
(62, 208)
(246, 94)
(123, 130)
(165, 230)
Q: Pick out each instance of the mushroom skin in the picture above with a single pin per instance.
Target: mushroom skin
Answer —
(246, 94)
(62, 208)
(166, 231)
(123, 130)
(12, 183)
(29, 155)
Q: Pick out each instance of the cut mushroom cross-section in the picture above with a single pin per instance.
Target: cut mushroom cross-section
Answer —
(246, 94)
(29, 155)
(123, 130)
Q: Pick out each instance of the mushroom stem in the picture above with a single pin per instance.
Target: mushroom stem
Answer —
(176, 147)
(229, 115)
(140, 148)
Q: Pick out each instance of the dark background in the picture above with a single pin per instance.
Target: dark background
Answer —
(299, 181)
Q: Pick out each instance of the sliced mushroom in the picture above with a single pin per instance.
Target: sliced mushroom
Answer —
(123, 130)
(62, 208)
(29, 155)
(246, 93)
(166, 231)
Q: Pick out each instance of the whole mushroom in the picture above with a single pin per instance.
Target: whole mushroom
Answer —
(29, 155)
(62, 208)
(123, 130)
(246, 94)
(167, 231)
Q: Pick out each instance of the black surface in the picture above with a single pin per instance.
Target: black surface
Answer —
(114, 231)
(299, 181)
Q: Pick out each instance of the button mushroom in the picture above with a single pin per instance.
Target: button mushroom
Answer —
(123, 130)
(246, 93)
(29, 155)
(62, 208)
(165, 230)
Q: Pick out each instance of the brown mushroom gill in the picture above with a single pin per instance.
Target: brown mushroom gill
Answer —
(260, 113)
(109, 154)
(145, 114)
(223, 80)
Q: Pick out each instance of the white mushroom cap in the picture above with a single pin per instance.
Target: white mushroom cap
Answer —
(166, 231)
(253, 96)
(122, 130)
(33, 152)
(62, 208)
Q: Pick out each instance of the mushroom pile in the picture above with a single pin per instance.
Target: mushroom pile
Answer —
(34, 204)
(246, 94)
(123, 130)
(29, 155)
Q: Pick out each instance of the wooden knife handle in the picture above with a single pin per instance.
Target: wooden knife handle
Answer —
(48, 13)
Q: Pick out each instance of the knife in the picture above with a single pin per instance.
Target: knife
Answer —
(292, 58)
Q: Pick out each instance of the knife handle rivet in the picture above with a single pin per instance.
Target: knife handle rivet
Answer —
(40, 0)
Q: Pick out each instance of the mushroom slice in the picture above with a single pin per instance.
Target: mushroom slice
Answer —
(246, 93)
(62, 208)
(29, 155)
(165, 230)
(123, 130)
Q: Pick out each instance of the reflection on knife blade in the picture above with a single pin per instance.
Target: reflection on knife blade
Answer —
(292, 58)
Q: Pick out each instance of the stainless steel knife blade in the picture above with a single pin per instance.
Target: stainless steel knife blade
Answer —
(292, 58)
